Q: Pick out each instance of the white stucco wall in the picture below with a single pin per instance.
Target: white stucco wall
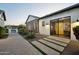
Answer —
(44, 29)
(1, 21)
(74, 13)
(12, 29)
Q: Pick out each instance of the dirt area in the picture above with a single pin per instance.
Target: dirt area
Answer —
(72, 48)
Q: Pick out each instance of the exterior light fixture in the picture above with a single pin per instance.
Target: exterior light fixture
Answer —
(47, 24)
(77, 20)
(76, 23)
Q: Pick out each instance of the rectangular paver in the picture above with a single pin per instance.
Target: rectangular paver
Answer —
(46, 49)
(57, 47)
(60, 43)
(60, 39)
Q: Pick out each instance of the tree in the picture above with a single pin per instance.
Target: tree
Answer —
(22, 29)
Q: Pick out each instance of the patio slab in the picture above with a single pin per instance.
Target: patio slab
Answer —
(45, 49)
(57, 42)
(65, 40)
(57, 47)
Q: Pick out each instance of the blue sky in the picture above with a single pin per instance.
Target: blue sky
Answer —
(17, 13)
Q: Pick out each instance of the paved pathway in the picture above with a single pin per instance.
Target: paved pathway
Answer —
(16, 45)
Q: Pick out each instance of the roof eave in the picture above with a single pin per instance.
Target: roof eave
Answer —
(4, 16)
(60, 11)
(29, 16)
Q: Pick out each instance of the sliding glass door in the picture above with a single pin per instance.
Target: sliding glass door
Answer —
(61, 27)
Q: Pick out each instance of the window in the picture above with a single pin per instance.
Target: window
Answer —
(43, 23)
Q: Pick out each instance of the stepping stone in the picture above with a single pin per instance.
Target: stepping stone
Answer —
(45, 49)
(59, 39)
(57, 47)
(57, 42)
(33, 51)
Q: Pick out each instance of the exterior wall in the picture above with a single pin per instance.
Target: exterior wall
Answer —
(44, 29)
(33, 25)
(12, 29)
(30, 26)
(1, 20)
(74, 13)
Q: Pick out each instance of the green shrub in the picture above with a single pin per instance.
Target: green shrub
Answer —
(76, 32)
(30, 35)
(4, 36)
(6, 30)
(25, 33)
(76, 29)
(3, 32)
(22, 30)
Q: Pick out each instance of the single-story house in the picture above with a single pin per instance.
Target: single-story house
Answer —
(32, 23)
(2, 18)
(60, 23)
(12, 29)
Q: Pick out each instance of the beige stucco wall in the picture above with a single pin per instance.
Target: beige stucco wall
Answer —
(74, 16)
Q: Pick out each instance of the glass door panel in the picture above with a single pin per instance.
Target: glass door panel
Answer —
(61, 28)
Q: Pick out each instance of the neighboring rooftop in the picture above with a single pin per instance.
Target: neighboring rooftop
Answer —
(31, 17)
(11, 26)
(63, 10)
(2, 11)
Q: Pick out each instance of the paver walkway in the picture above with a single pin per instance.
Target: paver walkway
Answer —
(16, 45)
(50, 45)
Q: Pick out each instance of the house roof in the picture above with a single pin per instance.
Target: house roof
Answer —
(4, 16)
(11, 26)
(3, 13)
(31, 16)
(63, 10)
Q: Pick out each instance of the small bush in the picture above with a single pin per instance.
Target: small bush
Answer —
(22, 30)
(25, 33)
(6, 30)
(76, 32)
(3, 32)
(30, 35)
(4, 36)
(76, 29)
